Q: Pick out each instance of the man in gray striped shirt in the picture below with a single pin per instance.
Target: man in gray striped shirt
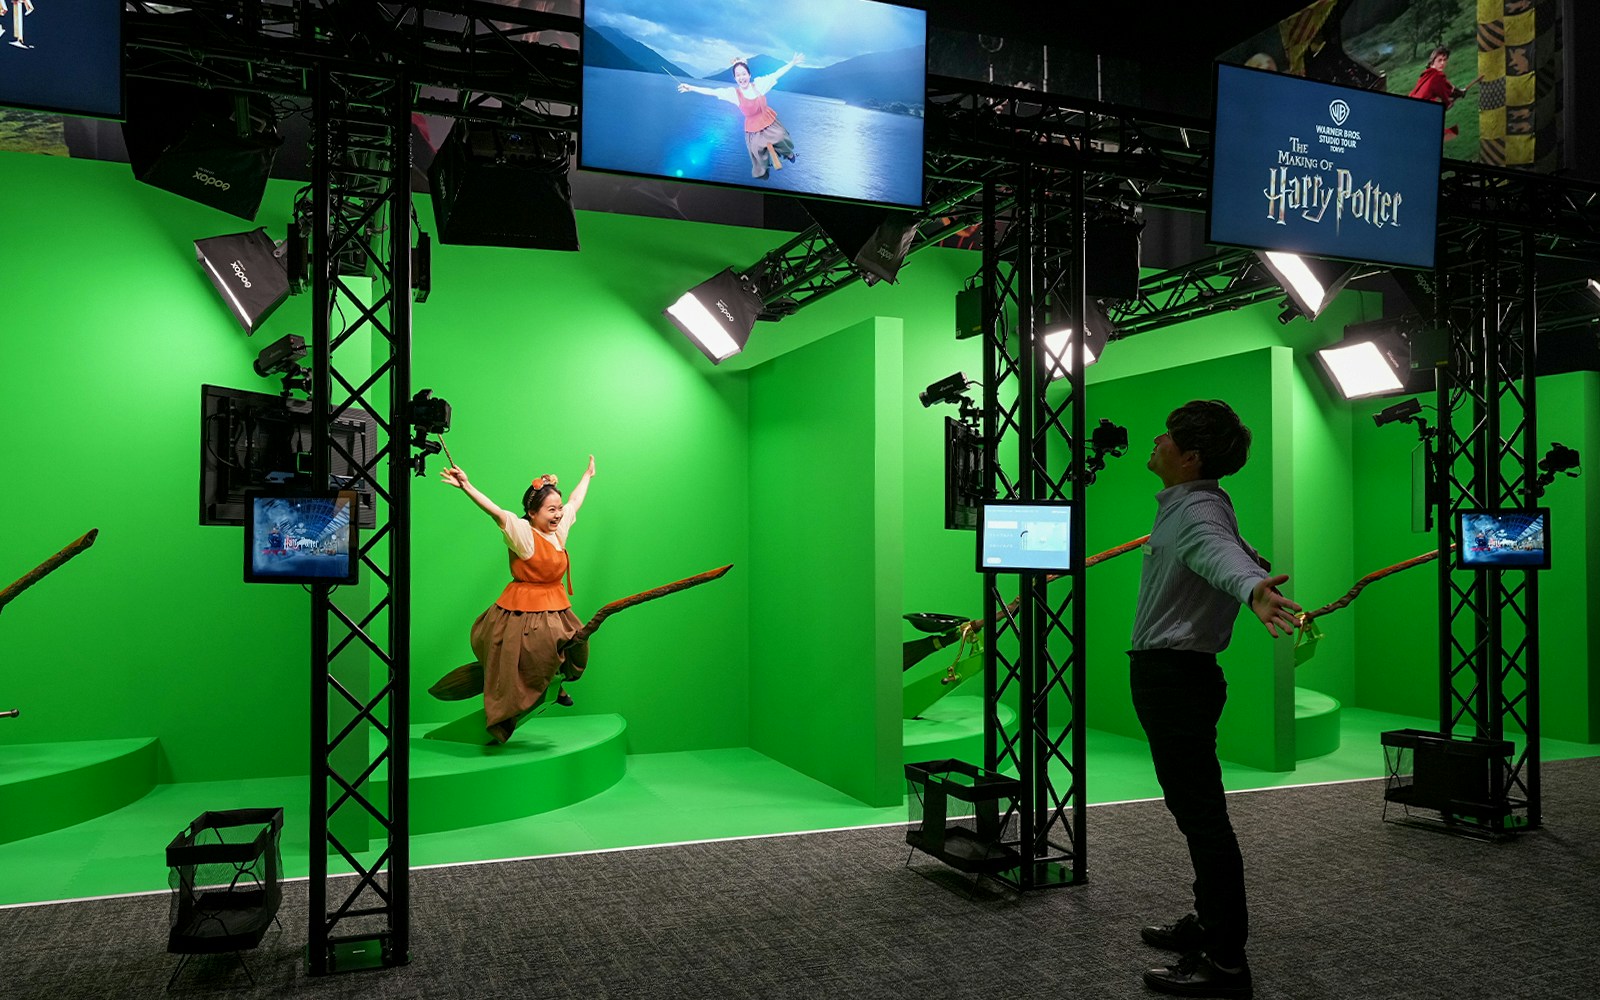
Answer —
(1197, 573)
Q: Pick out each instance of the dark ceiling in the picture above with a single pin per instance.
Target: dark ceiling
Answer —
(1173, 46)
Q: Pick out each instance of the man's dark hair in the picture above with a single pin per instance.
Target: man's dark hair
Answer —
(1211, 428)
(1442, 50)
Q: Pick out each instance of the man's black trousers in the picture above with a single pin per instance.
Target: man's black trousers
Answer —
(1178, 696)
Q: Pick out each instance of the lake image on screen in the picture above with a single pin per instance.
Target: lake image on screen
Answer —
(639, 123)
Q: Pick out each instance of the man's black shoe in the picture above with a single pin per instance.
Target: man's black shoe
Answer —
(1186, 935)
(1195, 975)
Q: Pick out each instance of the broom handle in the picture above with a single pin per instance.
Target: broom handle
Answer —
(47, 567)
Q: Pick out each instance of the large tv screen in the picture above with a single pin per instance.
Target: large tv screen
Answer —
(1327, 171)
(63, 57)
(822, 98)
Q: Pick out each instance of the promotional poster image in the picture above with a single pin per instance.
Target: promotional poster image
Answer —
(1328, 171)
(62, 55)
(1504, 540)
(823, 98)
(1497, 67)
(299, 539)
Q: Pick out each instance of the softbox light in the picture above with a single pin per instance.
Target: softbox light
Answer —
(499, 186)
(212, 148)
(717, 315)
(248, 271)
(874, 239)
(1372, 359)
(1310, 282)
(1058, 337)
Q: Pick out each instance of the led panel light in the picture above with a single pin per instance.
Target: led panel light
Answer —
(1360, 370)
(717, 315)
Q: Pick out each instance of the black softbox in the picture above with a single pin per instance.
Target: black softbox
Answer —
(213, 148)
(874, 239)
(503, 187)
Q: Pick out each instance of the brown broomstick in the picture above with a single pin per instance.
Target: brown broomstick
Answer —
(47, 567)
(914, 651)
(1097, 558)
(466, 680)
(1308, 617)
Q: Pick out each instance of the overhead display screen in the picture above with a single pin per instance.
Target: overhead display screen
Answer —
(1322, 170)
(822, 98)
(63, 57)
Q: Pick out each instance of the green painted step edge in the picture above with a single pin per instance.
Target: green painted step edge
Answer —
(1316, 724)
(61, 799)
(592, 757)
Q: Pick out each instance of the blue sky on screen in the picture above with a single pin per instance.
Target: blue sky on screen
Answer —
(706, 35)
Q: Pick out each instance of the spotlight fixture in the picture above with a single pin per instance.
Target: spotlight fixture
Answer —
(950, 389)
(1058, 337)
(249, 273)
(1372, 359)
(717, 314)
(1310, 282)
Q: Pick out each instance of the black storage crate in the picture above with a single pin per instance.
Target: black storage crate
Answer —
(1454, 775)
(957, 811)
(227, 881)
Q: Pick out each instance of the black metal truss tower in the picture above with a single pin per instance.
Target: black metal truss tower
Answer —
(1034, 651)
(360, 65)
(361, 665)
(1486, 301)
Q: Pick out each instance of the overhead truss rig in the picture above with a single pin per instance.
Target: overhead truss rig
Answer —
(486, 62)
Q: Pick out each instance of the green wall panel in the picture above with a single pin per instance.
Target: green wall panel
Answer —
(1257, 726)
(826, 560)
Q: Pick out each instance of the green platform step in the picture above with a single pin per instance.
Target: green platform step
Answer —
(50, 786)
(951, 728)
(1316, 724)
(549, 763)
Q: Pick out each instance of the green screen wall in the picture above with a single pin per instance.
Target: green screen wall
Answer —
(109, 330)
(826, 560)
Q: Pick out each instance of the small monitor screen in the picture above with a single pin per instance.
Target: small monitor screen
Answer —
(1024, 536)
(62, 57)
(1503, 539)
(1313, 168)
(300, 537)
(818, 98)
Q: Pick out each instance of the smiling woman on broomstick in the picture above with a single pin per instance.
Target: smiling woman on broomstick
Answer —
(765, 138)
(520, 641)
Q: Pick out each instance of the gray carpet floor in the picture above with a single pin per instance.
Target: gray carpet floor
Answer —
(1342, 905)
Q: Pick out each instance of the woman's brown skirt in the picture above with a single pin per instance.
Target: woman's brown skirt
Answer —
(756, 143)
(521, 654)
